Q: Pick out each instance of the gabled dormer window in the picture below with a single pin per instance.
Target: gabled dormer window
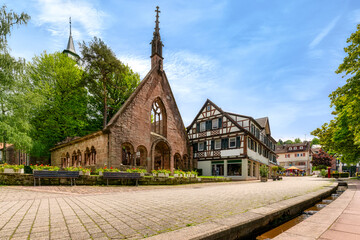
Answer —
(290, 148)
(301, 147)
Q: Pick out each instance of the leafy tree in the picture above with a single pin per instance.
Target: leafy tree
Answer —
(109, 81)
(297, 140)
(13, 122)
(322, 158)
(59, 100)
(342, 134)
(289, 142)
(315, 141)
(280, 142)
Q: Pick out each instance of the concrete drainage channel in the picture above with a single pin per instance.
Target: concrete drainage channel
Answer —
(304, 215)
(255, 222)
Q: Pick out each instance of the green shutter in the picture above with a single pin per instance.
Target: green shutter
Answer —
(212, 144)
(205, 146)
(208, 125)
(220, 122)
(195, 147)
(237, 142)
(198, 127)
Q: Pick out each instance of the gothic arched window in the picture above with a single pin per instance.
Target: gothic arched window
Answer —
(158, 117)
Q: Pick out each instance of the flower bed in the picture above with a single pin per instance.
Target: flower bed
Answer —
(161, 173)
(43, 167)
(7, 168)
(137, 170)
(81, 170)
(100, 171)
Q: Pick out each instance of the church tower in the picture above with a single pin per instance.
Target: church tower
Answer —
(70, 50)
(156, 44)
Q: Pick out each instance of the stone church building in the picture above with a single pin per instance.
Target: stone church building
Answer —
(147, 131)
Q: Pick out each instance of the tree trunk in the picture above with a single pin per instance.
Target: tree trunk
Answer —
(4, 148)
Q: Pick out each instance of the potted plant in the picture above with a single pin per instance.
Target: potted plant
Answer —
(137, 170)
(6, 168)
(163, 173)
(274, 172)
(194, 174)
(264, 171)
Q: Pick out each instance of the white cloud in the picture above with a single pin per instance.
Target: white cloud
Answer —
(54, 15)
(324, 32)
(193, 78)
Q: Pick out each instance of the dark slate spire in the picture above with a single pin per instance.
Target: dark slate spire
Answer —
(156, 43)
(70, 50)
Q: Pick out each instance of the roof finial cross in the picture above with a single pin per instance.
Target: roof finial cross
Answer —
(157, 18)
(70, 24)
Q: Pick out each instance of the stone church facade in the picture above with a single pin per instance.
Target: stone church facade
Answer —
(147, 131)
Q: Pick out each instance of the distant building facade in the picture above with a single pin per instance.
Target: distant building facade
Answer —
(229, 144)
(298, 155)
(13, 156)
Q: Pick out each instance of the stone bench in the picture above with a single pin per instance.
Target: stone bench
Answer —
(121, 175)
(72, 175)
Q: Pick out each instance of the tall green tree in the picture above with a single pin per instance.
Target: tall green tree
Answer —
(13, 122)
(110, 82)
(342, 134)
(59, 100)
(297, 140)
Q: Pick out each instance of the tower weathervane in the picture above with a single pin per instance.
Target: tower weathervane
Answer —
(70, 24)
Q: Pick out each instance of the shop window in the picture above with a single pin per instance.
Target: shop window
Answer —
(254, 169)
(218, 169)
(234, 169)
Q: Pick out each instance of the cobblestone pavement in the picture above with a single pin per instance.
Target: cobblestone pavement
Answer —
(84, 212)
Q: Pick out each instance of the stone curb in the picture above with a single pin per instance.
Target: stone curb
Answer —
(314, 226)
(242, 225)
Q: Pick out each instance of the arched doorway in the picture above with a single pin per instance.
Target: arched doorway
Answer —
(141, 155)
(67, 162)
(127, 154)
(178, 163)
(161, 156)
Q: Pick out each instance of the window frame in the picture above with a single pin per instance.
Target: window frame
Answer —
(200, 144)
(234, 138)
(202, 126)
(216, 124)
(219, 141)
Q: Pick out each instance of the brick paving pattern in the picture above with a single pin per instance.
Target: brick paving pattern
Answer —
(83, 212)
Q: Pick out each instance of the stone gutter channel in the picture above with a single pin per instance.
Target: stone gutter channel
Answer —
(249, 224)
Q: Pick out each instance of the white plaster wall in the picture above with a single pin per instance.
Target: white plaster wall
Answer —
(231, 152)
(256, 156)
(205, 166)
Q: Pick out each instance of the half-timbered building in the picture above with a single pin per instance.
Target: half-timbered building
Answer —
(229, 144)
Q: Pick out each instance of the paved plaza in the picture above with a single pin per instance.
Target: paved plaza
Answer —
(83, 212)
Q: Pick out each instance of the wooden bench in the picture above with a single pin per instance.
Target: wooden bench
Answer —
(121, 175)
(55, 174)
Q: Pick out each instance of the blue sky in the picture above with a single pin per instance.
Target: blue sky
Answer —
(256, 58)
